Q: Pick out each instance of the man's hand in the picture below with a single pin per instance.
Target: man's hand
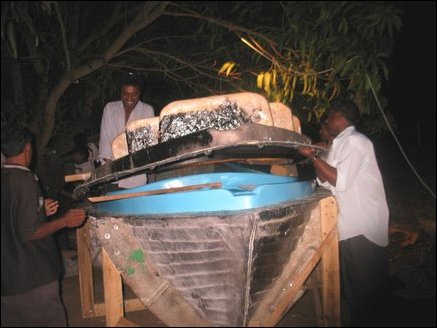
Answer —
(324, 171)
(308, 152)
(74, 218)
(51, 206)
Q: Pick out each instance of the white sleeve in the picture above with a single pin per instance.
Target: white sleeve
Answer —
(352, 161)
(105, 149)
(325, 184)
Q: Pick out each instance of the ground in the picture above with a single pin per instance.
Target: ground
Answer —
(412, 253)
(412, 247)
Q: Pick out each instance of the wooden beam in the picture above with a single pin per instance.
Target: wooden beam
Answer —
(214, 185)
(112, 287)
(330, 265)
(86, 283)
(297, 283)
(126, 323)
(77, 177)
(130, 305)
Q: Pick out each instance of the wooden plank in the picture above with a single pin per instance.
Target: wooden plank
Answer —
(89, 307)
(330, 265)
(126, 323)
(287, 287)
(86, 283)
(297, 282)
(112, 287)
(206, 165)
(313, 283)
(214, 185)
(302, 253)
(77, 177)
(165, 302)
(130, 305)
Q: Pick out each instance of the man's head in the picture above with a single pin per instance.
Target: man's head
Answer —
(131, 86)
(17, 145)
(342, 115)
(324, 132)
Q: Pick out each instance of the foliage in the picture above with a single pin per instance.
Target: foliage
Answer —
(325, 51)
(61, 60)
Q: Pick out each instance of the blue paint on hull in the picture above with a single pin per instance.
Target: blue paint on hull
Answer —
(239, 192)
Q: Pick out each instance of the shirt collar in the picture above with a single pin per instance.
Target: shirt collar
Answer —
(346, 132)
(14, 166)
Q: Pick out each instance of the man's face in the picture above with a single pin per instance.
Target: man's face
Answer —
(130, 95)
(333, 123)
(324, 132)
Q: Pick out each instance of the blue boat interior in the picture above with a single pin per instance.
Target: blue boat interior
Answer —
(240, 191)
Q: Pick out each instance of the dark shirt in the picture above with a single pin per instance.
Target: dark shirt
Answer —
(26, 264)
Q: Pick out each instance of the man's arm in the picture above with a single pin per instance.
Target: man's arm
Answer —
(73, 218)
(324, 171)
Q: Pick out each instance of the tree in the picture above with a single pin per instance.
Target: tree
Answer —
(60, 59)
(325, 51)
(82, 51)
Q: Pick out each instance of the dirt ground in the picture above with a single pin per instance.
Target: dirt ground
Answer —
(302, 314)
(412, 259)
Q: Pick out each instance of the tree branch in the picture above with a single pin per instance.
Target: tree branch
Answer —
(145, 16)
(64, 36)
(104, 28)
(228, 25)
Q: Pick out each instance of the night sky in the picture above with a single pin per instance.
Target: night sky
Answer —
(411, 90)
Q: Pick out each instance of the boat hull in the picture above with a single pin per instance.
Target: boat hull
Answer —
(210, 270)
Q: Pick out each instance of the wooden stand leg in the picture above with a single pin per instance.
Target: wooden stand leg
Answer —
(91, 309)
(85, 272)
(330, 266)
(282, 295)
(314, 284)
(112, 287)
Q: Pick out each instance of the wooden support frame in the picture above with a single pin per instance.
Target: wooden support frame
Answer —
(330, 265)
(276, 304)
(267, 315)
(112, 286)
(89, 307)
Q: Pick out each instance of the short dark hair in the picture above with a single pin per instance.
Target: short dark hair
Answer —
(130, 78)
(14, 139)
(348, 109)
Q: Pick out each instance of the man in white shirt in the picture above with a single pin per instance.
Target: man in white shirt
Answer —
(116, 115)
(351, 173)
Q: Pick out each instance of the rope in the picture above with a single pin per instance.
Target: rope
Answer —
(397, 141)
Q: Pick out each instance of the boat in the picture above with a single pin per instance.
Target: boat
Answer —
(209, 146)
(227, 247)
(208, 257)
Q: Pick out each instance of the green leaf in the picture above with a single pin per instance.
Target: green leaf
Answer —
(10, 30)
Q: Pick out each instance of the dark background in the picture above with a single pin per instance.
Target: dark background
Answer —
(411, 95)
(411, 90)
